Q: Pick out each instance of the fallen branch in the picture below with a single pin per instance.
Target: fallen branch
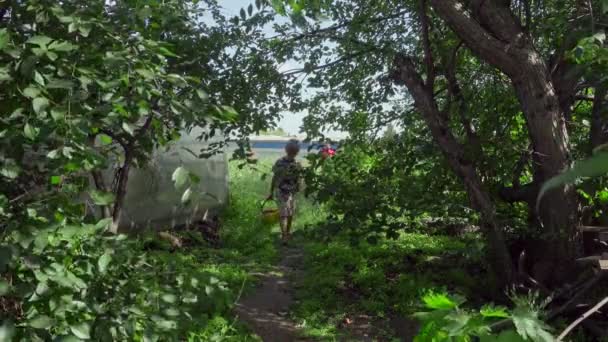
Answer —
(576, 297)
(582, 318)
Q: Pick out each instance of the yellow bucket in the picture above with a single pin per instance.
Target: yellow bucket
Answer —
(269, 215)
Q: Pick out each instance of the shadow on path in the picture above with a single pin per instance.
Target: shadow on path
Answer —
(266, 309)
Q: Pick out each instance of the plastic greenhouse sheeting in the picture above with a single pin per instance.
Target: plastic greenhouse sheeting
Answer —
(152, 199)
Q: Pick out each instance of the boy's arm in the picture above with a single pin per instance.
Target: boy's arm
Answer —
(273, 184)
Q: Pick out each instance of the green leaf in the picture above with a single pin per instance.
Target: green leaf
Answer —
(57, 114)
(128, 128)
(41, 40)
(202, 94)
(180, 177)
(60, 84)
(40, 322)
(169, 298)
(104, 261)
(30, 131)
(491, 311)
(4, 38)
(62, 46)
(243, 14)
(186, 196)
(5, 74)
(105, 139)
(81, 330)
(229, 113)
(530, 327)
(604, 6)
(55, 180)
(278, 6)
(439, 301)
(594, 166)
(4, 288)
(10, 170)
(147, 74)
(31, 92)
(7, 330)
(39, 79)
(40, 104)
(166, 52)
(102, 198)
(52, 56)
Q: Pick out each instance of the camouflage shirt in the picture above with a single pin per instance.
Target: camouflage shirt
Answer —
(287, 173)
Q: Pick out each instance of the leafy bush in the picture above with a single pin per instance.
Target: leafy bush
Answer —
(403, 190)
(448, 321)
(71, 281)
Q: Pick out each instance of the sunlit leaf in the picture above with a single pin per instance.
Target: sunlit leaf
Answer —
(105, 139)
(30, 131)
(180, 177)
(31, 92)
(494, 311)
(4, 38)
(529, 326)
(104, 261)
(147, 74)
(186, 196)
(40, 104)
(102, 198)
(594, 166)
(7, 330)
(128, 128)
(438, 301)
(39, 40)
(81, 330)
(10, 170)
(40, 322)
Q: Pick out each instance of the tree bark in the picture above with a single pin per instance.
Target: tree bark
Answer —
(496, 36)
(120, 191)
(598, 134)
(498, 255)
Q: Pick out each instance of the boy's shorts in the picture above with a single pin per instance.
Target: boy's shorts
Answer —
(287, 204)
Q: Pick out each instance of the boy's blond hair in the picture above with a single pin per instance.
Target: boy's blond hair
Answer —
(292, 147)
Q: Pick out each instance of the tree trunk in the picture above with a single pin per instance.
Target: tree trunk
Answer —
(120, 191)
(598, 133)
(498, 255)
(497, 37)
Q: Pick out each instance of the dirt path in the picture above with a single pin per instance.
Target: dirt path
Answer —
(265, 310)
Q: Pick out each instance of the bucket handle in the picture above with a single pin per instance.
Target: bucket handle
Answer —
(264, 202)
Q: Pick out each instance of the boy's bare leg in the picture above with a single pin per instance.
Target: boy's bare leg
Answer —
(288, 227)
(285, 221)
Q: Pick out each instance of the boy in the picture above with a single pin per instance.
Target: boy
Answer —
(285, 185)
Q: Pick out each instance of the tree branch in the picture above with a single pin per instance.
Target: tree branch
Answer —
(327, 65)
(476, 37)
(347, 23)
(582, 318)
(426, 44)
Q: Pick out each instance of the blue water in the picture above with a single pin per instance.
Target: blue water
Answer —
(281, 145)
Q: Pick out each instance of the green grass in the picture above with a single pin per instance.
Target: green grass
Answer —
(247, 247)
(339, 280)
(379, 280)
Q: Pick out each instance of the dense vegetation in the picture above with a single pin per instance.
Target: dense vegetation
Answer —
(463, 117)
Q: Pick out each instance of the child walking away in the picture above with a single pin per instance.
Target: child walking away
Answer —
(285, 185)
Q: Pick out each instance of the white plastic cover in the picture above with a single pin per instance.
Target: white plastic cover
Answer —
(152, 199)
